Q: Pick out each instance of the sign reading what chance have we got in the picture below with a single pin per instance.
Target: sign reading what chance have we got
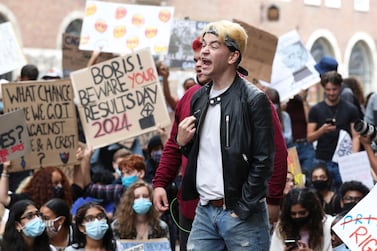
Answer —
(120, 98)
(51, 121)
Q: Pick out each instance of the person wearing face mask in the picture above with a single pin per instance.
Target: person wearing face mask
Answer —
(136, 218)
(351, 192)
(132, 168)
(92, 231)
(25, 230)
(154, 153)
(303, 222)
(57, 217)
(321, 182)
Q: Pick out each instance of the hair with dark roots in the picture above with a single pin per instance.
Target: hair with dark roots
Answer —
(60, 208)
(309, 200)
(40, 187)
(13, 240)
(126, 216)
(79, 238)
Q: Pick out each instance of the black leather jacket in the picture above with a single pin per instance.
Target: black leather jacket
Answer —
(247, 146)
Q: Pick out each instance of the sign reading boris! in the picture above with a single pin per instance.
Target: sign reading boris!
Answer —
(120, 98)
(51, 121)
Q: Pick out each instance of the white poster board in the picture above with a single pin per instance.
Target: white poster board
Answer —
(123, 28)
(293, 67)
(120, 98)
(356, 166)
(11, 56)
(358, 228)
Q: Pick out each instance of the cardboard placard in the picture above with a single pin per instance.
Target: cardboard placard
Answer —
(51, 121)
(294, 167)
(74, 59)
(11, 55)
(120, 98)
(123, 28)
(260, 52)
(358, 228)
(158, 244)
(14, 137)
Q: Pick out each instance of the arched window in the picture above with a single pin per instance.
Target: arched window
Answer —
(360, 64)
(74, 28)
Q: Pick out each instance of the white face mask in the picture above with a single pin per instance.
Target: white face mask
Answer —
(50, 227)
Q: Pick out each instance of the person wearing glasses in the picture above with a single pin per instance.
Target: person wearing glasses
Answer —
(25, 229)
(92, 230)
(351, 192)
(303, 224)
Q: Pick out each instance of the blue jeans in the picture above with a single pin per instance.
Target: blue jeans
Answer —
(214, 229)
(333, 168)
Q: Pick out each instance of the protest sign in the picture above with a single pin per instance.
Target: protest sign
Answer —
(356, 166)
(51, 121)
(11, 56)
(183, 34)
(14, 137)
(159, 244)
(294, 167)
(260, 52)
(293, 67)
(120, 98)
(74, 59)
(123, 28)
(358, 228)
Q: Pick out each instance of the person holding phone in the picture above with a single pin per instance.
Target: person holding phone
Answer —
(303, 225)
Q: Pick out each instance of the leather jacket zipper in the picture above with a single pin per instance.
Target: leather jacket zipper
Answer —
(227, 133)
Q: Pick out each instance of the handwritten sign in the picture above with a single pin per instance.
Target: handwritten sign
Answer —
(295, 167)
(11, 56)
(159, 244)
(260, 52)
(293, 67)
(75, 59)
(51, 121)
(347, 166)
(14, 137)
(358, 228)
(123, 28)
(120, 98)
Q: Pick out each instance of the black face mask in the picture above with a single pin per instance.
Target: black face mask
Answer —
(300, 221)
(320, 184)
(58, 191)
(348, 206)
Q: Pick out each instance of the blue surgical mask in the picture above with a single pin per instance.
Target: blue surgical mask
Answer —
(118, 172)
(142, 205)
(34, 228)
(156, 155)
(96, 229)
(129, 180)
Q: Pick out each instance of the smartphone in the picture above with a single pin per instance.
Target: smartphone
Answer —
(291, 243)
(330, 121)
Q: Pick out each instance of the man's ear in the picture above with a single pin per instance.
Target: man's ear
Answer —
(234, 56)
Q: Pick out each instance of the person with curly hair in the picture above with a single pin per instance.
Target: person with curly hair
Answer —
(302, 223)
(25, 230)
(136, 218)
(45, 184)
(92, 230)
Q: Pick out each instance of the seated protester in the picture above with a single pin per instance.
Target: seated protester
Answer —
(132, 168)
(290, 183)
(351, 192)
(136, 218)
(25, 230)
(57, 217)
(45, 184)
(92, 230)
(303, 221)
(154, 152)
(117, 157)
(321, 182)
